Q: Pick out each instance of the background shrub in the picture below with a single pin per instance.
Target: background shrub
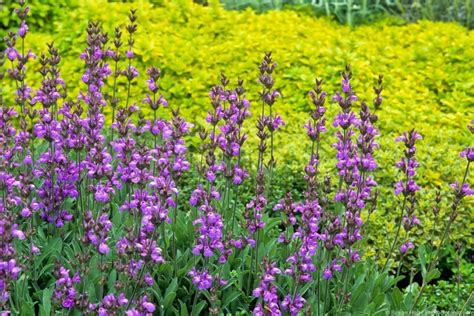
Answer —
(362, 11)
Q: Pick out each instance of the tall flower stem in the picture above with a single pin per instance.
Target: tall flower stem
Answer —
(407, 187)
(142, 270)
(399, 226)
(174, 248)
(402, 256)
(433, 262)
(114, 97)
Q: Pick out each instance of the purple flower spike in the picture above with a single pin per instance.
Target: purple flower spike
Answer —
(267, 290)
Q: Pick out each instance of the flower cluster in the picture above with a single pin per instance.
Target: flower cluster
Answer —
(65, 291)
(110, 304)
(79, 173)
(272, 121)
(267, 291)
(9, 269)
(96, 232)
(355, 161)
(408, 187)
(144, 308)
(209, 223)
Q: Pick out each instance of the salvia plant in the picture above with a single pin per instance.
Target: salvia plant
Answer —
(111, 215)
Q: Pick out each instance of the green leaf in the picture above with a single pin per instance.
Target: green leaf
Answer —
(170, 293)
(433, 274)
(183, 309)
(422, 257)
(230, 298)
(169, 299)
(54, 246)
(198, 308)
(46, 267)
(360, 303)
(391, 283)
(27, 308)
(111, 279)
(357, 293)
(45, 308)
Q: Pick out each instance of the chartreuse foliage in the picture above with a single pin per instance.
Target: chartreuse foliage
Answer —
(427, 69)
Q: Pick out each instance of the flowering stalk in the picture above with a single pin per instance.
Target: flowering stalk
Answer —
(314, 129)
(115, 55)
(131, 72)
(59, 173)
(407, 187)
(267, 291)
(18, 72)
(253, 209)
(348, 205)
(270, 123)
(268, 96)
(460, 192)
(305, 216)
(231, 140)
(9, 230)
(210, 222)
(179, 166)
(355, 163)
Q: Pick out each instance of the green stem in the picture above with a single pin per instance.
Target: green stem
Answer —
(402, 256)
(249, 290)
(318, 281)
(175, 218)
(329, 257)
(142, 270)
(234, 209)
(113, 97)
(399, 225)
(445, 234)
(196, 296)
(467, 303)
(458, 281)
(129, 70)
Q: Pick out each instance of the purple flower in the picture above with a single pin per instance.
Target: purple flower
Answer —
(202, 279)
(468, 153)
(463, 190)
(101, 195)
(327, 274)
(11, 53)
(277, 122)
(293, 304)
(17, 233)
(406, 246)
(268, 291)
(408, 164)
(64, 290)
(103, 249)
(35, 250)
(23, 29)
